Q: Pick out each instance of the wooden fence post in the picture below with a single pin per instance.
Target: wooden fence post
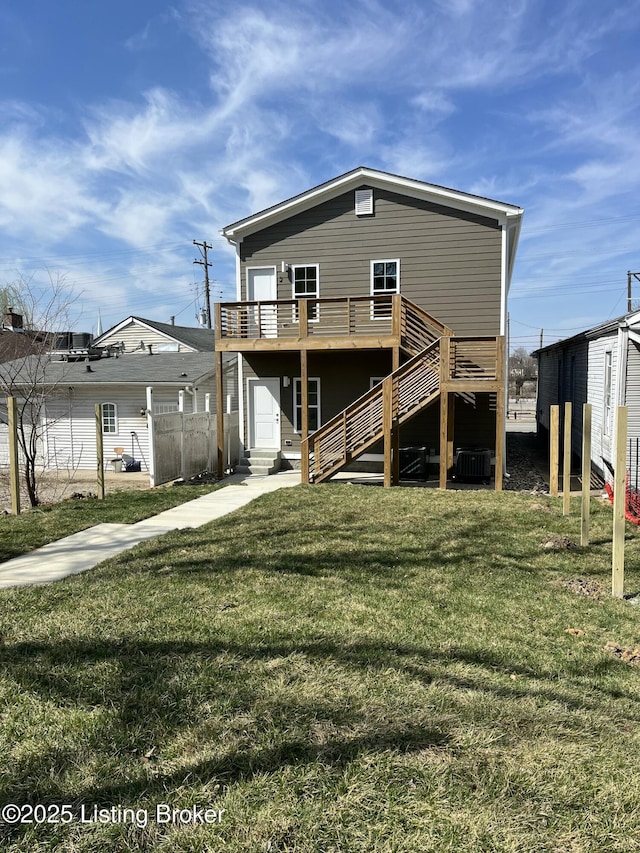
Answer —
(586, 473)
(619, 503)
(99, 452)
(554, 450)
(14, 470)
(566, 466)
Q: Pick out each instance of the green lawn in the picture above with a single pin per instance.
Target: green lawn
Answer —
(338, 668)
(36, 527)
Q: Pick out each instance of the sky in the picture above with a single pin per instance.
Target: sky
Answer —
(129, 129)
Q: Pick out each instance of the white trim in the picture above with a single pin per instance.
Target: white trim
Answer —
(621, 366)
(375, 380)
(363, 204)
(375, 179)
(264, 379)
(297, 382)
(115, 430)
(607, 421)
(270, 267)
(373, 292)
(293, 289)
(241, 400)
(238, 272)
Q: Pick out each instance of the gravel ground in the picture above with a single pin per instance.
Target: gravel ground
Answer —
(526, 464)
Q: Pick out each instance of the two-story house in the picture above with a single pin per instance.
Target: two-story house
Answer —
(370, 315)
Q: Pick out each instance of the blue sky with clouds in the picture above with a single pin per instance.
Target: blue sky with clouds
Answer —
(129, 129)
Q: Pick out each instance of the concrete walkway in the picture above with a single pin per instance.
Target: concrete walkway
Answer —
(86, 549)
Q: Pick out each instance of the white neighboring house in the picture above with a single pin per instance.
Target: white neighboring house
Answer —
(115, 371)
(600, 366)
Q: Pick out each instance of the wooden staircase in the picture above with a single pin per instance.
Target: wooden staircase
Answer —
(405, 392)
(409, 389)
(441, 363)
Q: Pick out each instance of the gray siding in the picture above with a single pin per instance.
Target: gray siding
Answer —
(474, 421)
(450, 262)
(563, 378)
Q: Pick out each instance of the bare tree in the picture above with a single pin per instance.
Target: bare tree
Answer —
(47, 312)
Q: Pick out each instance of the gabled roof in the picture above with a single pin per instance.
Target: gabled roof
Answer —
(630, 321)
(172, 369)
(364, 176)
(201, 340)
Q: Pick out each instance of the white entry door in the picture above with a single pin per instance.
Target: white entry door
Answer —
(262, 287)
(264, 413)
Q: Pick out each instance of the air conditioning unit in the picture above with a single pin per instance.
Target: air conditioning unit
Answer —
(473, 464)
(414, 463)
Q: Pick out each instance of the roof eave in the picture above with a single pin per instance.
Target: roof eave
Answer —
(382, 180)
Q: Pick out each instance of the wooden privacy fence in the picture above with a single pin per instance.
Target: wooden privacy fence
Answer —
(184, 445)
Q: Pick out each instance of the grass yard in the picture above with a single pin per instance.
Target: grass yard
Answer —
(338, 668)
(36, 527)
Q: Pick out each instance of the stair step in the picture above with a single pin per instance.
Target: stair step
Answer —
(259, 462)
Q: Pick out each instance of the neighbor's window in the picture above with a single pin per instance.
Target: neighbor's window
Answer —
(607, 393)
(306, 285)
(314, 404)
(385, 280)
(109, 418)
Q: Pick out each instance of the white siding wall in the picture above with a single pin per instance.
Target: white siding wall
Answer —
(72, 443)
(134, 333)
(601, 434)
(632, 401)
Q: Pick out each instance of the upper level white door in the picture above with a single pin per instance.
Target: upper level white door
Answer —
(262, 286)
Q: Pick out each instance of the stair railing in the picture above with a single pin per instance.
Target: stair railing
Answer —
(415, 385)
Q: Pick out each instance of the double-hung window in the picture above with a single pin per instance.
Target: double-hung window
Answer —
(109, 418)
(306, 285)
(385, 280)
(314, 404)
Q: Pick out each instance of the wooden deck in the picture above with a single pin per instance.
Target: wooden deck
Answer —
(367, 322)
(440, 364)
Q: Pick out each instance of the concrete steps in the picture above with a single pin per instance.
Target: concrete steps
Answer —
(259, 462)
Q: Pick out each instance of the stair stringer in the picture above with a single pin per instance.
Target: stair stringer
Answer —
(415, 386)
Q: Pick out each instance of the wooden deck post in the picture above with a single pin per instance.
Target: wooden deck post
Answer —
(304, 390)
(303, 318)
(304, 462)
(219, 417)
(387, 427)
(447, 414)
(396, 328)
(445, 409)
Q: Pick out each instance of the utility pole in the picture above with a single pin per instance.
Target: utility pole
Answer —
(541, 337)
(630, 275)
(206, 264)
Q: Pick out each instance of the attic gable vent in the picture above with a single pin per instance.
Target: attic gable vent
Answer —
(364, 202)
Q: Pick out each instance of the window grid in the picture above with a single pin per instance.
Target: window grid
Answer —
(109, 418)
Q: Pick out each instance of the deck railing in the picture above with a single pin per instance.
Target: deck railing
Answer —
(293, 320)
(474, 358)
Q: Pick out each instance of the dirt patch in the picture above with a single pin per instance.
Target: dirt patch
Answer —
(53, 487)
(626, 654)
(558, 543)
(582, 586)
